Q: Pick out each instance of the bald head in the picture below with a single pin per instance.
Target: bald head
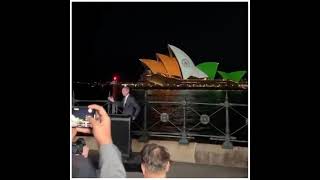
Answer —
(155, 160)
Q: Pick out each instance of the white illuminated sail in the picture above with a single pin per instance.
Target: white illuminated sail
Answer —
(186, 64)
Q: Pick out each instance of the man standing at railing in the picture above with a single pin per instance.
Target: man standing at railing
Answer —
(128, 103)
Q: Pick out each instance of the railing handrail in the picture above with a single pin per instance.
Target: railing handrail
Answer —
(183, 133)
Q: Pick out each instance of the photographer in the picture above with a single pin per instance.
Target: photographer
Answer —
(110, 163)
(81, 165)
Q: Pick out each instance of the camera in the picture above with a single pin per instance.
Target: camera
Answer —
(77, 147)
(80, 116)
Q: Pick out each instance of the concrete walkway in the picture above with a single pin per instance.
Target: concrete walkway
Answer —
(197, 153)
(180, 169)
(191, 170)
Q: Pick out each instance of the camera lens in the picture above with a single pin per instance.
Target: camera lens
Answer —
(81, 141)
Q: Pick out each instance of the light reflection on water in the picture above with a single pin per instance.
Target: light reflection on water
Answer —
(193, 111)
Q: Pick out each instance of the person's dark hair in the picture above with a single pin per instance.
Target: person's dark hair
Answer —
(154, 157)
(126, 87)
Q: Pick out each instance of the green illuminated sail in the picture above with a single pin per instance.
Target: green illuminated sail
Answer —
(210, 68)
(234, 76)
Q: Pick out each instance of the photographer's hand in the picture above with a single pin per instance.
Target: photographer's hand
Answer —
(85, 151)
(101, 125)
(84, 130)
(111, 99)
(110, 163)
(74, 133)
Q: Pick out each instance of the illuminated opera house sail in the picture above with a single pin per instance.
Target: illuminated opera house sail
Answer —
(178, 67)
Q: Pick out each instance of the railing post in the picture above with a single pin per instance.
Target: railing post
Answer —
(113, 108)
(108, 107)
(145, 137)
(184, 139)
(108, 104)
(73, 98)
(227, 143)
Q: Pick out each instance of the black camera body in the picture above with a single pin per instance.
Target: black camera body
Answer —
(77, 147)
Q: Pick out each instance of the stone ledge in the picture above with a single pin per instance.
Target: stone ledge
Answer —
(193, 152)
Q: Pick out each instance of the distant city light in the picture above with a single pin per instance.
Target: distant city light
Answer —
(116, 77)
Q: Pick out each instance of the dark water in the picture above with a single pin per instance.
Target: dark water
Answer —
(176, 112)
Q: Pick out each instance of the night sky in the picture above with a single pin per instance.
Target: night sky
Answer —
(110, 37)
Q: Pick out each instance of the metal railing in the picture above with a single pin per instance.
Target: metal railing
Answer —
(182, 131)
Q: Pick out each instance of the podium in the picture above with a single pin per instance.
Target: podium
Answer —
(120, 130)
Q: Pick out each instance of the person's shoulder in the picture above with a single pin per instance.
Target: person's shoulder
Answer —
(132, 97)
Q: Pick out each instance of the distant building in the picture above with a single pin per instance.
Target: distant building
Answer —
(178, 67)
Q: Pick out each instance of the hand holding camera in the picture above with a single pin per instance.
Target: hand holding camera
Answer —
(80, 116)
(100, 124)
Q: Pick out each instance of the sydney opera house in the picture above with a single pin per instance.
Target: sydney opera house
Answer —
(179, 68)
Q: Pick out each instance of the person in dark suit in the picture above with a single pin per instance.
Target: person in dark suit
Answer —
(128, 103)
(82, 167)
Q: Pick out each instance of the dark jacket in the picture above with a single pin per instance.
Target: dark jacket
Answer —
(82, 167)
(131, 107)
(110, 164)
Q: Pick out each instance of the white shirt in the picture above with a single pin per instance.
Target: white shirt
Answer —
(125, 100)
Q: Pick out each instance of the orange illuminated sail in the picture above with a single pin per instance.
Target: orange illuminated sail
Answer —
(155, 66)
(170, 64)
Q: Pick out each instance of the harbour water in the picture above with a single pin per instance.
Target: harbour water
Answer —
(198, 102)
